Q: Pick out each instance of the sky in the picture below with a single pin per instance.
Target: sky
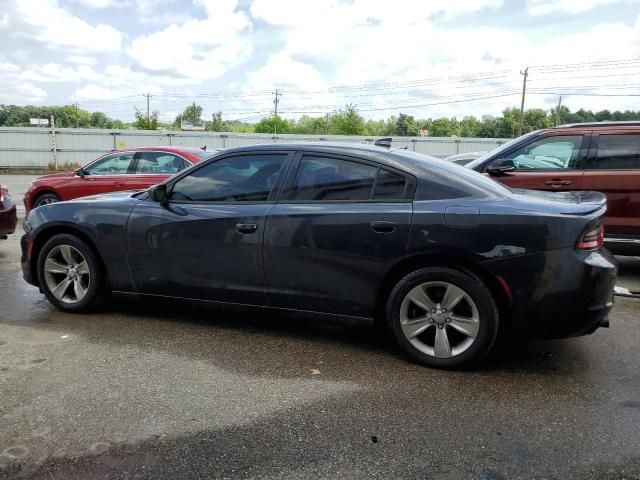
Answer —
(425, 58)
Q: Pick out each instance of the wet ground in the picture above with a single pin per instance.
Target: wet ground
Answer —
(160, 390)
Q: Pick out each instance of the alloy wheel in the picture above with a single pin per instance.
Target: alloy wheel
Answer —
(67, 274)
(439, 319)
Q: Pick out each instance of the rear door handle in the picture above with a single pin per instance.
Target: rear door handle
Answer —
(383, 227)
(247, 228)
(558, 182)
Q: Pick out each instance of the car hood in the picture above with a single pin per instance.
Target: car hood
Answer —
(54, 176)
(115, 197)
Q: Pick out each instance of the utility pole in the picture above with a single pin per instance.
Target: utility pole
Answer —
(77, 118)
(558, 110)
(276, 100)
(524, 89)
(148, 95)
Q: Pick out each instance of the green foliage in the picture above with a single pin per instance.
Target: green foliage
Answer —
(347, 121)
(144, 123)
(193, 113)
(272, 125)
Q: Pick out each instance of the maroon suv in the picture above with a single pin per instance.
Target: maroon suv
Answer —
(602, 156)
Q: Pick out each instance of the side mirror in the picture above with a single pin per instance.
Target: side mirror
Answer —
(81, 173)
(500, 167)
(158, 193)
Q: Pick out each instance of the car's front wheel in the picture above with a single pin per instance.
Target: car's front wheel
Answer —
(70, 275)
(45, 199)
(442, 317)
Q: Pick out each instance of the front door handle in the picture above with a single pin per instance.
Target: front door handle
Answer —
(247, 228)
(383, 227)
(558, 182)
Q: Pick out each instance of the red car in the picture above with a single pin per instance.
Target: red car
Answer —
(8, 214)
(133, 169)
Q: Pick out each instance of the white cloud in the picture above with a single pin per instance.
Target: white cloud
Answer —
(53, 72)
(46, 22)
(545, 7)
(100, 3)
(197, 49)
(339, 43)
(82, 59)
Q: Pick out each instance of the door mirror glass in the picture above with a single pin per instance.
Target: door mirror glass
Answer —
(501, 167)
(158, 193)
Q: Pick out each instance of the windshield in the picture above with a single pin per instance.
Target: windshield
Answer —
(501, 148)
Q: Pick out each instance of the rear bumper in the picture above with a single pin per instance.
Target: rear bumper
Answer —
(559, 293)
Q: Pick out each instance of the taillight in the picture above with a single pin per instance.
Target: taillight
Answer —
(4, 192)
(593, 237)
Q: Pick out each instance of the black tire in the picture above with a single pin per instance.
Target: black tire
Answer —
(96, 292)
(487, 313)
(45, 199)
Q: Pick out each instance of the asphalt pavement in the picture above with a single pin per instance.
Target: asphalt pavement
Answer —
(175, 390)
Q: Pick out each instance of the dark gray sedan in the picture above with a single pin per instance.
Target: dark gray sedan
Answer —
(440, 256)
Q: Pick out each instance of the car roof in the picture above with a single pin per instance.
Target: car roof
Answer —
(362, 150)
(162, 148)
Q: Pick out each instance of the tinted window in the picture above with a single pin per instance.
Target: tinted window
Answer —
(159, 162)
(618, 152)
(111, 165)
(243, 178)
(551, 153)
(389, 186)
(321, 178)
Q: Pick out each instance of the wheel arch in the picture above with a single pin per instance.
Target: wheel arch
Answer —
(43, 236)
(465, 265)
(43, 191)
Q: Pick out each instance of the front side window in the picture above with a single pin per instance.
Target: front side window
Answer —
(116, 164)
(550, 153)
(242, 178)
(159, 162)
(320, 178)
(618, 152)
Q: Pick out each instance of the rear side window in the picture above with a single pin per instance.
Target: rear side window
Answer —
(618, 152)
(329, 179)
(159, 162)
(389, 186)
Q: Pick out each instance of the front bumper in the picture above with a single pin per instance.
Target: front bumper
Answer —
(8, 217)
(25, 261)
(558, 293)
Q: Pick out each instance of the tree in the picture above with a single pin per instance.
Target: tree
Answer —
(144, 123)
(443, 127)
(192, 114)
(216, 124)
(347, 122)
(406, 126)
(272, 125)
(469, 126)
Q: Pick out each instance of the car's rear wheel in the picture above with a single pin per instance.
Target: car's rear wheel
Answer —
(70, 275)
(442, 317)
(45, 199)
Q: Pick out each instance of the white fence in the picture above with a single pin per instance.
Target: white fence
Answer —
(25, 147)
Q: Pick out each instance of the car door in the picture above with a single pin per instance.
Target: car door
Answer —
(153, 167)
(613, 168)
(106, 174)
(205, 242)
(339, 226)
(547, 163)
